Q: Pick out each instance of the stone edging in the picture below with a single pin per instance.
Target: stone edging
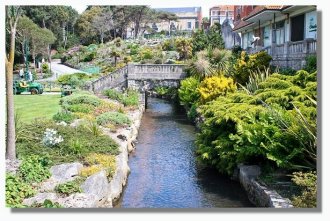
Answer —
(257, 193)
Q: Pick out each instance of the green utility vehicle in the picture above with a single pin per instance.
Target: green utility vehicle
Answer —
(26, 82)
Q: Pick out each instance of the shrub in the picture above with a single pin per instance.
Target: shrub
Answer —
(212, 87)
(113, 117)
(113, 94)
(276, 125)
(80, 99)
(16, 191)
(188, 92)
(131, 98)
(89, 57)
(199, 41)
(34, 168)
(168, 45)
(308, 184)
(250, 63)
(45, 68)
(184, 47)
(65, 116)
(69, 187)
(311, 63)
(146, 53)
(82, 108)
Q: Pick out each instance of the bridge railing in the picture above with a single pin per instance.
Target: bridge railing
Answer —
(138, 72)
(110, 80)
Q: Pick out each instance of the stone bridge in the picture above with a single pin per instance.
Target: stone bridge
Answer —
(142, 77)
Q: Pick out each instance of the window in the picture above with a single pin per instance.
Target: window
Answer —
(278, 32)
(297, 28)
(189, 25)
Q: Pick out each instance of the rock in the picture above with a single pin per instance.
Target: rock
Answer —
(40, 198)
(96, 184)
(80, 200)
(12, 166)
(65, 172)
(122, 137)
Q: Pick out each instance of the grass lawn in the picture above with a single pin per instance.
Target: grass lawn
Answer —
(30, 107)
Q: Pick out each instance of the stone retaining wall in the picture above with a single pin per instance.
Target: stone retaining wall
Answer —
(258, 194)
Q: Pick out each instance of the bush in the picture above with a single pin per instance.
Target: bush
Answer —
(69, 187)
(184, 47)
(311, 63)
(113, 94)
(80, 99)
(16, 191)
(113, 117)
(168, 45)
(34, 168)
(81, 108)
(188, 92)
(89, 57)
(65, 116)
(276, 125)
(213, 87)
(250, 63)
(146, 53)
(45, 68)
(308, 185)
(128, 98)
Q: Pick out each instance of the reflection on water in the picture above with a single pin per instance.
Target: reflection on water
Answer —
(164, 172)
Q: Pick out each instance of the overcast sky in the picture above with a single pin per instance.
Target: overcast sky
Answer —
(205, 4)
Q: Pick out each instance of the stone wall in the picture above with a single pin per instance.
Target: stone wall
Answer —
(259, 194)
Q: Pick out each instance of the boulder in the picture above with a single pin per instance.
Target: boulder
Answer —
(80, 200)
(40, 198)
(65, 172)
(96, 184)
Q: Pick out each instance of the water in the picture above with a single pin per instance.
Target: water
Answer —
(164, 171)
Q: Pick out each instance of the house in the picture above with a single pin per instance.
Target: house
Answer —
(287, 32)
(220, 13)
(189, 18)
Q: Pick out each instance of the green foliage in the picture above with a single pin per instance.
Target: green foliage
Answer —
(113, 117)
(128, 98)
(81, 108)
(65, 116)
(213, 87)
(249, 63)
(275, 125)
(46, 204)
(214, 37)
(44, 68)
(168, 45)
(199, 41)
(16, 191)
(161, 90)
(69, 187)
(308, 185)
(101, 161)
(146, 53)
(184, 47)
(34, 168)
(311, 64)
(80, 98)
(255, 79)
(75, 80)
(188, 92)
(64, 152)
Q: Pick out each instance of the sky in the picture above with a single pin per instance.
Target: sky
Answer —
(205, 4)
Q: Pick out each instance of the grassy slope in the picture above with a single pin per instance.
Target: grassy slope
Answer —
(30, 107)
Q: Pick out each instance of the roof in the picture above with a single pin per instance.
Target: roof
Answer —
(226, 7)
(180, 10)
(241, 24)
(257, 10)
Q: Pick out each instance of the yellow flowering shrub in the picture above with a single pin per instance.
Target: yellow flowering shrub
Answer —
(213, 87)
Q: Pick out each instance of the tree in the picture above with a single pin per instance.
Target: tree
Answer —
(12, 15)
(138, 15)
(102, 23)
(215, 38)
(84, 26)
(167, 16)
